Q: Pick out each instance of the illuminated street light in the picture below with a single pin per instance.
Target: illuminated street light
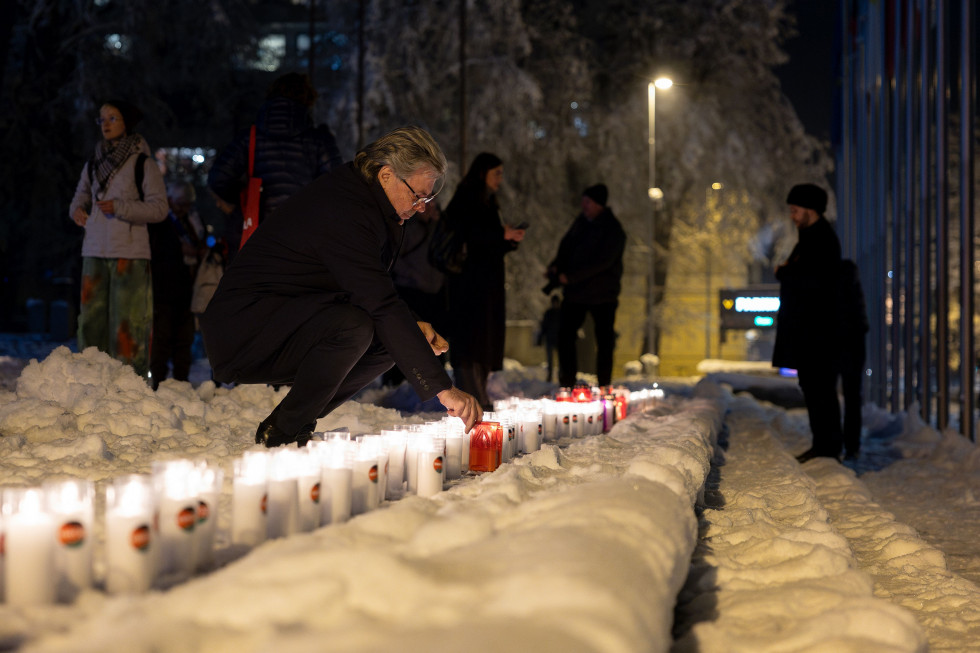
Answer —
(656, 199)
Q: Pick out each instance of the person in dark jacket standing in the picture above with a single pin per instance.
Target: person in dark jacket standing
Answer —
(289, 151)
(808, 317)
(476, 295)
(309, 300)
(588, 267)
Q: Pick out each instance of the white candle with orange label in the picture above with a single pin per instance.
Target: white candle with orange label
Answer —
(208, 480)
(177, 504)
(249, 500)
(70, 502)
(430, 464)
(129, 535)
(364, 481)
(29, 547)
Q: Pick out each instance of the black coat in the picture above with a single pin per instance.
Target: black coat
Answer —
(591, 256)
(476, 296)
(806, 325)
(333, 242)
(289, 153)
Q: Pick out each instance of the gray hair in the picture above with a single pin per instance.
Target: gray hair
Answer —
(406, 149)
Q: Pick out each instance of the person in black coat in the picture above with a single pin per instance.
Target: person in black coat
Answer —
(476, 295)
(588, 267)
(290, 151)
(309, 300)
(807, 320)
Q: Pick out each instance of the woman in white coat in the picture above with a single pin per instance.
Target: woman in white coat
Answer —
(118, 194)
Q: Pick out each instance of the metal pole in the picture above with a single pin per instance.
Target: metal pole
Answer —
(909, 303)
(652, 142)
(925, 230)
(967, 219)
(898, 214)
(942, 223)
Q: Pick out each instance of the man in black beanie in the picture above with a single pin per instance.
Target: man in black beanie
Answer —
(588, 267)
(807, 319)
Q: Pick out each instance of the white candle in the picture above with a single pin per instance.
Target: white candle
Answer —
(454, 427)
(250, 498)
(283, 502)
(129, 536)
(177, 502)
(430, 463)
(412, 462)
(364, 481)
(70, 502)
(29, 548)
(336, 461)
(208, 480)
(309, 490)
(454, 455)
(530, 431)
(396, 443)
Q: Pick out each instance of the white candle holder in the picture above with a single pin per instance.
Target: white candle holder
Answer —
(430, 465)
(250, 498)
(208, 480)
(309, 489)
(283, 503)
(130, 538)
(29, 548)
(365, 479)
(336, 462)
(177, 504)
(71, 503)
(396, 442)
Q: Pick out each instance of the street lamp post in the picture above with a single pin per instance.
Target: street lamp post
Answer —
(656, 197)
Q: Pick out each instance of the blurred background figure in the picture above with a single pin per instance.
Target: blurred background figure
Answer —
(418, 282)
(290, 151)
(177, 245)
(476, 295)
(119, 192)
(548, 334)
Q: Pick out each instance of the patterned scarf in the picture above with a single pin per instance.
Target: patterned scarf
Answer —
(110, 155)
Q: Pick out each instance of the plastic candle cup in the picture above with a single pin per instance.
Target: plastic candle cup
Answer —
(484, 451)
(177, 505)
(71, 503)
(29, 548)
(208, 480)
(309, 490)
(282, 516)
(530, 431)
(430, 464)
(130, 538)
(250, 498)
(365, 478)
(336, 463)
(396, 443)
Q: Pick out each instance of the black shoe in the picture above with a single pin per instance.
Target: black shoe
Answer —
(811, 453)
(272, 436)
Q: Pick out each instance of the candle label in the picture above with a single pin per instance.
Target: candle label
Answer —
(437, 464)
(71, 534)
(203, 512)
(187, 518)
(315, 493)
(139, 539)
(540, 429)
(373, 474)
(265, 503)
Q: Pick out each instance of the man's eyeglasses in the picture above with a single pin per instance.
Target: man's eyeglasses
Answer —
(112, 119)
(420, 200)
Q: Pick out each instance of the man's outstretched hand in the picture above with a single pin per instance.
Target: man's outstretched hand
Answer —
(437, 342)
(462, 405)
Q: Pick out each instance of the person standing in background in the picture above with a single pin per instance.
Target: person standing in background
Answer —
(808, 317)
(119, 192)
(177, 245)
(290, 152)
(588, 267)
(476, 296)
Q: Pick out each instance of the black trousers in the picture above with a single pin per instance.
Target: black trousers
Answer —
(852, 377)
(173, 335)
(572, 318)
(818, 381)
(327, 360)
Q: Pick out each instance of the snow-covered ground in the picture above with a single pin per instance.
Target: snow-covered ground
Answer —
(585, 545)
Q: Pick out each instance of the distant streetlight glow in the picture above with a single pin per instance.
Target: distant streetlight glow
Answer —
(663, 83)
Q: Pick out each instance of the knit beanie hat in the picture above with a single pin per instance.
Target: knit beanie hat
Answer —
(808, 196)
(598, 194)
(131, 114)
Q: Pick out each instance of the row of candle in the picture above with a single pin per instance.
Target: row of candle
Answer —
(160, 528)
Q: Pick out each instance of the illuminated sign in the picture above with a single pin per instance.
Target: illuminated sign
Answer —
(749, 308)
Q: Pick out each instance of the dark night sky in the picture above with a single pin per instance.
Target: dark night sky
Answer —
(808, 78)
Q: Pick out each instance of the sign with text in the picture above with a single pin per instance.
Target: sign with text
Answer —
(749, 308)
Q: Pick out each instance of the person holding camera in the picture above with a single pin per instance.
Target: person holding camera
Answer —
(588, 268)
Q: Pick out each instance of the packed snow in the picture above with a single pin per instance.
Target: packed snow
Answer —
(687, 527)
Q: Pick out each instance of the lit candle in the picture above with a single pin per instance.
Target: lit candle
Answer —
(250, 498)
(454, 427)
(485, 446)
(530, 430)
(177, 502)
(430, 463)
(454, 455)
(365, 478)
(396, 442)
(29, 548)
(129, 535)
(70, 502)
(283, 502)
(336, 461)
(309, 490)
(208, 480)
(412, 462)
(551, 413)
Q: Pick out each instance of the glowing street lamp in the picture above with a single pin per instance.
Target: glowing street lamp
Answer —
(656, 199)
